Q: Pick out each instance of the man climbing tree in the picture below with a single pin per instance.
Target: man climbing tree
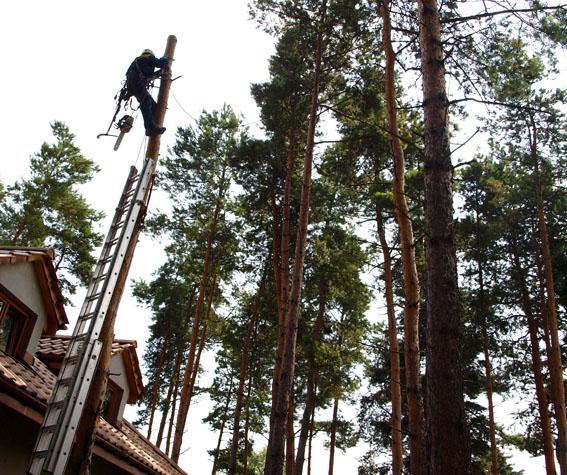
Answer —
(139, 75)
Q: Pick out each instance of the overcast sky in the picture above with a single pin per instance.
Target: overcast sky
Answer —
(65, 60)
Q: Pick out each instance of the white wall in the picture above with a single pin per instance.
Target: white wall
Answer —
(118, 375)
(21, 280)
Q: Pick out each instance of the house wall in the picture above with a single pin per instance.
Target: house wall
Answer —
(17, 438)
(118, 375)
(21, 280)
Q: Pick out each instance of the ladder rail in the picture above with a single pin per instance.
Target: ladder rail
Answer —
(65, 405)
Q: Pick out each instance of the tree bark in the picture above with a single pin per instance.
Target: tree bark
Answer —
(275, 450)
(545, 421)
(447, 431)
(410, 276)
(395, 375)
(185, 395)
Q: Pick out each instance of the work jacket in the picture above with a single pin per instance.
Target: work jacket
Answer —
(142, 69)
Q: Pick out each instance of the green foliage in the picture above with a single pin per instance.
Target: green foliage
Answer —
(47, 210)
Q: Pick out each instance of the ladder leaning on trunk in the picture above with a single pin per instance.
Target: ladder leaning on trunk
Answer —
(64, 409)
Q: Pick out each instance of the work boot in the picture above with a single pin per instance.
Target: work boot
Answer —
(155, 131)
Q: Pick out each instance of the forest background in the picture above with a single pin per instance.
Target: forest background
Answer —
(65, 62)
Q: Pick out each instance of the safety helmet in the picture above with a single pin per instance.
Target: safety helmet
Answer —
(147, 51)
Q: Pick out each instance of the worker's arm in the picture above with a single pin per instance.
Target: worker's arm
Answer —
(158, 63)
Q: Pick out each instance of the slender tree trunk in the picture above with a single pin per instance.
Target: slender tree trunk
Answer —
(275, 450)
(281, 271)
(157, 378)
(246, 428)
(290, 436)
(489, 395)
(333, 442)
(242, 378)
(545, 421)
(311, 430)
(448, 438)
(395, 375)
(410, 276)
(555, 365)
(483, 310)
(170, 392)
(173, 384)
(223, 423)
(172, 417)
(311, 380)
(203, 334)
(185, 395)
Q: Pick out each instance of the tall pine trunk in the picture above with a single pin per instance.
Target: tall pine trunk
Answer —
(280, 406)
(555, 365)
(410, 276)
(395, 375)
(447, 431)
(545, 421)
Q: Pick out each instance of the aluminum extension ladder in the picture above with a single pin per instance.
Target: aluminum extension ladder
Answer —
(64, 409)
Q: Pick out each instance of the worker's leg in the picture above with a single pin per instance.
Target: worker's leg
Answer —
(147, 106)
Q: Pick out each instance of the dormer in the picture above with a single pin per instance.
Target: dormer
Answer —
(125, 378)
(31, 303)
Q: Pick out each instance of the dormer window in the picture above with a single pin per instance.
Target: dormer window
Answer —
(111, 402)
(16, 324)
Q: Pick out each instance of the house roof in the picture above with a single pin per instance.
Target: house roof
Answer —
(51, 349)
(42, 260)
(34, 384)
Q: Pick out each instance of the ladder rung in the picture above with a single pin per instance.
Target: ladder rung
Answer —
(118, 225)
(67, 381)
(87, 316)
(106, 260)
(41, 454)
(100, 277)
(72, 359)
(94, 297)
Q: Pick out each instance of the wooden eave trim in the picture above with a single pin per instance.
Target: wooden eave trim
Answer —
(116, 460)
(133, 374)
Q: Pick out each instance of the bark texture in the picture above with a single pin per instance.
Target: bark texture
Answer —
(447, 431)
